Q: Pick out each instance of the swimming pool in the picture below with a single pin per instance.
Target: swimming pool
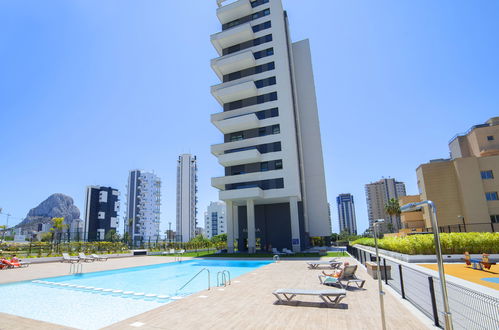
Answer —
(96, 300)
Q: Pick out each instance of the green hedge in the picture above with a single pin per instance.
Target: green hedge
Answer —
(47, 249)
(452, 243)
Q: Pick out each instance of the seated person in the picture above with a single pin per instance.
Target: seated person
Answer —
(15, 261)
(337, 272)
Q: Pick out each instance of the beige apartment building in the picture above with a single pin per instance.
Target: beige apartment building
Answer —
(465, 187)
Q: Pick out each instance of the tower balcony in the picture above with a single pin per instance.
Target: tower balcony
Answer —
(232, 63)
(233, 11)
(236, 124)
(233, 91)
(219, 149)
(247, 193)
(232, 36)
(240, 157)
(220, 182)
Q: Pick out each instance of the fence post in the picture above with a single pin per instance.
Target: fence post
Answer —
(402, 291)
(492, 226)
(433, 300)
(386, 273)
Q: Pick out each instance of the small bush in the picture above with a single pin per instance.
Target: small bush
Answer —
(452, 243)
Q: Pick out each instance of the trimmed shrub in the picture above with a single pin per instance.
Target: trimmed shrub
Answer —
(452, 243)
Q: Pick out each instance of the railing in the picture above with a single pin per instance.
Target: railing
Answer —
(75, 268)
(183, 286)
(276, 258)
(470, 309)
(221, 275)
(468, 227)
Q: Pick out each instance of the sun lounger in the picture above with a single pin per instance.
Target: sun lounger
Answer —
(330, 297)
(275, 251)
(99, 258)
(7, 264)
(347, 275)
(67, 258)
(83, 257)
(331, 263)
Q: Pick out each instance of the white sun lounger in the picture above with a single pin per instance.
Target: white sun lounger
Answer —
(85, 258)
(99, 258)
(330, 297)
(67, 258)
(332, 263)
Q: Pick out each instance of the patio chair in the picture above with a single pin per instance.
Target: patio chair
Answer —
(67, 258)
(99, 258)
(330, 297)
(333, 263)
(347, 275)
(287, 251)
(7, 264)
(83, 257)
(275, 251)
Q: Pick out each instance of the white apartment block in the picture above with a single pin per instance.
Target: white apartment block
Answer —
(214, 220)
(274, 185)
(377, 195)
(186, 197)
(143, 213)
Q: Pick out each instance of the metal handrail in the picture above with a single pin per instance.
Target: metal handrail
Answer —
(276, 258)
(223, 277)
(183, 286)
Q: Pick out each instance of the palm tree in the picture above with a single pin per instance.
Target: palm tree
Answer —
(392, 208)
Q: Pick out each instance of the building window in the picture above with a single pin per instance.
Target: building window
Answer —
(247, 44)
(263, 53)
(487, 175)
(490, 138)
(265, 82)
(263, 184)
(250, 101)
(246, 19)
(264, 166)
(278, 164)
(262, 26)
(248, 72)
(494, 218)
(257, 3)
(491, 196)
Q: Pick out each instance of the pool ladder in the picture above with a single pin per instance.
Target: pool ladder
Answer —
(276, 258)
(75, 268)
(189, 281)
(222, 277)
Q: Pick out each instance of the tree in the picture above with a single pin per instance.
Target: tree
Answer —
(4, 229)
(111, 236)
(334, 237)
(58, 226)
(392, 208)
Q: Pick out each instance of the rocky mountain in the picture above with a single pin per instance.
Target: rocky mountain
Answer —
(56, 206)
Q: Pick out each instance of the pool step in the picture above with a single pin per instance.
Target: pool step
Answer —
(114, 292)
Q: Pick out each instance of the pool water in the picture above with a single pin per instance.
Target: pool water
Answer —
(491, 279)
(87, 301)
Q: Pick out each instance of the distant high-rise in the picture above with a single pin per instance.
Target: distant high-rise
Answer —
(143, 211)
(377, 195)
(101, 212)
(346, 213)
(215, 222)
(274, 184)
(186, 197)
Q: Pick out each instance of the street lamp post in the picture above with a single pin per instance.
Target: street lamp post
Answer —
(438, 249)
(378, 273)
(170, 233)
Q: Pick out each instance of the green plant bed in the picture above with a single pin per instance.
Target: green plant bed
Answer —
(452, 243)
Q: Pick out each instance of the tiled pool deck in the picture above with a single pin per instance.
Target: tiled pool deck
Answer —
(246, 304)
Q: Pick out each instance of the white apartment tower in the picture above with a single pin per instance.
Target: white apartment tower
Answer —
(274, 186)
(215, 222)
(346, 213)
(186, 197)
(377, 195)
(142, 217)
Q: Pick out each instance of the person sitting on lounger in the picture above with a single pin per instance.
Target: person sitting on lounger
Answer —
(337, 272)
(15, 261)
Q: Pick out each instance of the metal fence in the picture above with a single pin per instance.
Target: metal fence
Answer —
(470, 309)
(469, 227)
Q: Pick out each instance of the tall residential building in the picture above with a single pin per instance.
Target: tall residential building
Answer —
(101, 212)
(142, 217)
(274, 185)
(465, 188)
(215, 222)
(377, 195)
(346, 213)
(186, 197)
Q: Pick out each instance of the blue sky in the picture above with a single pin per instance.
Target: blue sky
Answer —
(90, 89)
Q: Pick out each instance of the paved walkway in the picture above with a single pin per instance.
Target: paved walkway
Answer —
(246, 304)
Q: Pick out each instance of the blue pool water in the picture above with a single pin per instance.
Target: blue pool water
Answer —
(76, 300)
(491, 279)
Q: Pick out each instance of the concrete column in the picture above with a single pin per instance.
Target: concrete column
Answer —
(229, 218)
(295, 224)
(235, 218)
(250, 210)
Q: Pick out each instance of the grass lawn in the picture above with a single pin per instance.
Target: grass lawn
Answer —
(205, 254)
